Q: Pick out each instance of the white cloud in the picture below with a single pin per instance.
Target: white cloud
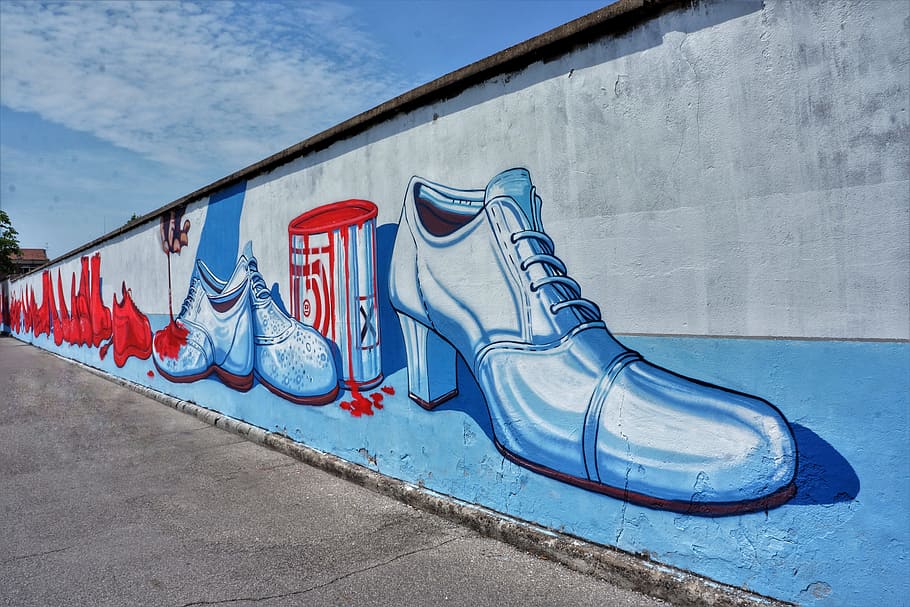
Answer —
(188, 84)
(68, 197)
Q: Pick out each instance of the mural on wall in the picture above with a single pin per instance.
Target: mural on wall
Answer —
(565, 398)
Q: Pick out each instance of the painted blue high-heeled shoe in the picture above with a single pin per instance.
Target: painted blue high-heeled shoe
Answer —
(473, 272)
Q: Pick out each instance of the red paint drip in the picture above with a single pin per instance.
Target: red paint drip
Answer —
(82, 305)
(151, 374)
(170, 297)
(170, 339)
(99, 313)
(388, 390)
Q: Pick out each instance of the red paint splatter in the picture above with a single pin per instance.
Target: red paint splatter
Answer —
(170, 339)
(360, 405)
(151, 374)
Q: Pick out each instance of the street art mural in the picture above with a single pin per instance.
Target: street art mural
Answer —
(428, 328)
(472, 274)
(565, 399)
(376, 339)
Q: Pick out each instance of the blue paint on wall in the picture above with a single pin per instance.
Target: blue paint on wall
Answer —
(219, 242)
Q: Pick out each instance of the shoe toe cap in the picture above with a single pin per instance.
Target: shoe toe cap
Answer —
(672, 438)
(190, 358)
(300, 366)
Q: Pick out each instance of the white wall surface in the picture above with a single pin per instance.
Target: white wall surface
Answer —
(731, 169)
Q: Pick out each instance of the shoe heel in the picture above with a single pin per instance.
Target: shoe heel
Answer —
(431, 364)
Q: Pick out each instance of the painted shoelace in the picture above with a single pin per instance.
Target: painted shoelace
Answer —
(257, 282)
(195, 285)
(557, 275)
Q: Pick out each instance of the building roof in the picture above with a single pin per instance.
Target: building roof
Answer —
(31, 255)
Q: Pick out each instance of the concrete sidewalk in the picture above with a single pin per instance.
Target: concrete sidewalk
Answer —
(110, 498)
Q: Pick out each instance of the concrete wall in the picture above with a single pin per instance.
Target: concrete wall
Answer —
(727, 181)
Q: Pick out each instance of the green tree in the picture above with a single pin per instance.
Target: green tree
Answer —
(9, 244)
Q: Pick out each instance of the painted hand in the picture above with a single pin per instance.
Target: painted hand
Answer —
(173, 234)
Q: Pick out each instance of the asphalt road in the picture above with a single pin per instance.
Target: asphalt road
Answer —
(110, 498)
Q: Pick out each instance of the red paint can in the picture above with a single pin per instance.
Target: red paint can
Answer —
(332, 255)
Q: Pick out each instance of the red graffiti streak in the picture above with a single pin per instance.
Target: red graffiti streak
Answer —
(63, 323)
(388, 390)
(41, 321)
(99, 314)
(169, 340)
(30, 315)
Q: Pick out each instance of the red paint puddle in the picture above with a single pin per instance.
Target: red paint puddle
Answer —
(131, 329)
(151, 374)
(170, 339)
(360, 405)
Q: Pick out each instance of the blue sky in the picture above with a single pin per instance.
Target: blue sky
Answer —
(110, 109)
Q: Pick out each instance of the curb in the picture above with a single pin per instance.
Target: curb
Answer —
(623, 569)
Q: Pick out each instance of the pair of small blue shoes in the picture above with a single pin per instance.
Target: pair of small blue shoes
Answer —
(234, 329)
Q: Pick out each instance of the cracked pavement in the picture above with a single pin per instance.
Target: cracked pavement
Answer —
(110, 498)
